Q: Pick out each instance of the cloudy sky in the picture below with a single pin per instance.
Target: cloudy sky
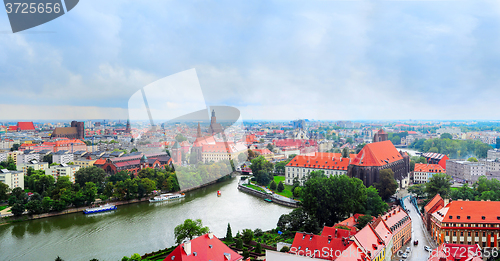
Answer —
(331, 60)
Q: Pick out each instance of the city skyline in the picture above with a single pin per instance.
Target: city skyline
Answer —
(334, 60)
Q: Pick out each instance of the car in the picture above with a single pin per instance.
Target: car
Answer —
(404, 255)
(428, 248)
(408, 249)
(415, 242)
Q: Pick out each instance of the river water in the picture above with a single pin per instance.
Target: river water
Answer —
(136, 228)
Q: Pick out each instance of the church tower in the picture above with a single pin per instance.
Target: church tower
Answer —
(198, 134)
(127, 129)
(176, 153)
(144, 161)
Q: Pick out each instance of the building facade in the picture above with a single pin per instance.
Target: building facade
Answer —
(423, 172)
(467, 222)
(465, 170)
(63, 170)
(14, 179)
(399, 222)
(301, 166)
(63, 157)
(36, 165)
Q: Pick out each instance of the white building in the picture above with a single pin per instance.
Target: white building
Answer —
(13, 179)
(25, 158)
(36, 165)
(493, 154)
(63, 157)
(63, 170)
(466, 170)
(423, 172)
(301, 166)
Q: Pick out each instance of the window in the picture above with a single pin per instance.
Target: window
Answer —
(454, 233)
(468, 234)
(462, 234)
(484, 234)
(477, 234)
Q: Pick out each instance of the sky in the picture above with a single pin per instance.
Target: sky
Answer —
(274, 60)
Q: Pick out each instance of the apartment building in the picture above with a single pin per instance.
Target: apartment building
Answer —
(423, 172)
(62, 157)
(301, 165)
(465, 170)
(35, 164)
(399, 222)
(13, 179)
(63, 170)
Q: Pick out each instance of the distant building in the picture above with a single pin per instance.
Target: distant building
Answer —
(205, 247)
(23, 126)
(85, 162)
(381, 135)
(465, 170)
(63, 170)
(423, 172)
(133, 163)
(436, 158)
(62, 157)
(377, 156)
(26, 157)
(493, 154)
(76, 131)
(214, 127)
(14, 179)
(299, 124)
(266, 153)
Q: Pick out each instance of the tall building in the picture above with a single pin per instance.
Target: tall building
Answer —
(76, 131)
(13, 179)
(176, 153)
(214, 127)
(465, 170)
(381, 135)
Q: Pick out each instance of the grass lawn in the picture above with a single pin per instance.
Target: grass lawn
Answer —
(254, 187)
(288, 188)
(3, 207)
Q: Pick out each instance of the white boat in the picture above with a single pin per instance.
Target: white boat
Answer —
(98, 209)
(168, 196)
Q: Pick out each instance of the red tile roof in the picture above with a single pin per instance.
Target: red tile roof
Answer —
(320, 161)
(434, 168)
(370, 241)
(477, 211)
(394, 216)
(23, 126)
(206, 248)
(377, 154)
(100, 162)
(305, 244)
(263, 151)
(294, 142)
(433, 202)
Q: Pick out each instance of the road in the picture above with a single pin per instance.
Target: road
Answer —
(418, 233)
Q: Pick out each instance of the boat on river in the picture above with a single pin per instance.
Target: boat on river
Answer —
(102, 208)
(168, 196)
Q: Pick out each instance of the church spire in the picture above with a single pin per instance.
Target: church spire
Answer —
(199, 131)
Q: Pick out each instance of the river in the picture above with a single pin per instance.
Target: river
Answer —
(136, 228)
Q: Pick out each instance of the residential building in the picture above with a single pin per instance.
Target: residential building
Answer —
(456, 252)
(384, 232)
(205, 247)
(13, 155)
(423, 172)
(467, 222)
(63, 157)
(377, 156)
(35, 164)
(63, 170)
(6, 143)
(399, 222)
(266, 153)
(372, 244)
(301, 166)
(493, 154)
(465, 170)
(84, 162)
(3, 156)
(27, 156)
(436, 158)
(13, 179)
(436, 203)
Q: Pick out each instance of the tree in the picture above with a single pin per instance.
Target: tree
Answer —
(363, 221)
(15, 147)
(90, 174)
(247, 235)
(345, 152)
(18, 209)
(332, 199)
(180, 138)
(387, 185)
(48, 159)
(298, 220)
(189, 229)
(229, 234)
(47, 204)
(270, 147)
(242, 157)
(4, 190)
(90, 192)
(272, 186)
(418, 190)
(134, 150)
(34, 206)
(261, 169)
(108, 189)
(135, 257)
(446, 136)
(374, 204)
(472, 159)
(149, 185)
(281, 187)
(296, 192)
(258, 248)
(439, 183)
(251, 155)
(239, 243)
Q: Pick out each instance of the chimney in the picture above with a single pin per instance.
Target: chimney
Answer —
(187, 247)
(446, 202)
(210, 235)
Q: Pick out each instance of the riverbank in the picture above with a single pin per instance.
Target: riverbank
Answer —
(267, 194)
(26, 217)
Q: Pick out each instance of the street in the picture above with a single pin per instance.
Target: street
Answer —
(419, 233)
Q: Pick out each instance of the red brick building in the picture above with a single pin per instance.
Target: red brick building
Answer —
(436, 203)
(133, 164)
